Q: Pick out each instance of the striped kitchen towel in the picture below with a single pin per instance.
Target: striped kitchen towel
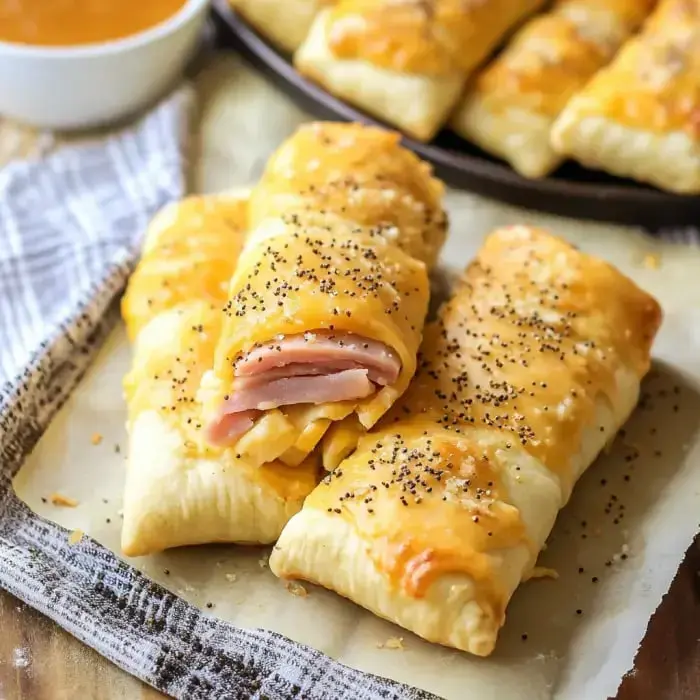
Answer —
(70, 229)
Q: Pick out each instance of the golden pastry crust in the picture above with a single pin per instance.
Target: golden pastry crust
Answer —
(344, 223)
(189, 252)
(532, 308)
(405, 62)
(291, 285)
(511, 106)
(439, 514)
(427, 565)
(350, 175)
(179, 489)
(638, 117)
(437, 37)
(284, 22)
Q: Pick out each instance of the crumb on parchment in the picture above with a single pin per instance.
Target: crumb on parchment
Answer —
(96, 438)
(652, 261)
(622, 554)
(295, 588)
(75, 537)
(542, 572)
(392, 643)
(58, 499)
(263, 561)
(231, 578)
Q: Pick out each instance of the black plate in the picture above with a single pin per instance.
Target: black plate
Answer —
(572, 191)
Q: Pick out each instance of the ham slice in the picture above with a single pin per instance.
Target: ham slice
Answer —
(324, 350)
(310, 368)
(230, 426)
(321, 388)
(297, 370)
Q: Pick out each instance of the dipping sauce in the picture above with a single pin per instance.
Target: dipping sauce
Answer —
(75, 22)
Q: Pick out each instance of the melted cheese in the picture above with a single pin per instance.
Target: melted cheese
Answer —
(438, 37)
(530, 344)
(334, 175)
(435, 502)
(554, 55)
(190, 253)
(654, 83)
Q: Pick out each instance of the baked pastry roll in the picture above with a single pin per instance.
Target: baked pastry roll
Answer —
(527, 374)
(638, 117)
(327, 305)
(284, 22)
(510, 107)
(405, 62)
(180, 490)
(189, 253)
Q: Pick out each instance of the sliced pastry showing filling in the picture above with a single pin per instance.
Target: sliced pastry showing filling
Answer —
(283, 22)
(638, 117)
(440, 513)
(180, 490)
(510, 107)
(326, 308)
(405, 61)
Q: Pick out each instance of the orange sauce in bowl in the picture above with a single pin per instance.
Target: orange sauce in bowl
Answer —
(76, 22)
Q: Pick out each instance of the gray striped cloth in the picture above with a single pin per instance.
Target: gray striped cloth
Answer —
(70, 229)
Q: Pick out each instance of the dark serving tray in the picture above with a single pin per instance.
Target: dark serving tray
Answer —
(571, 191)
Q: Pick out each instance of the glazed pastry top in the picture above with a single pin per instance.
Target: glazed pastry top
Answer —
(352, 175)
(190, 252)
(431, 502)
(556, 53)
(534, 337)
(654, 82)
(428, 37)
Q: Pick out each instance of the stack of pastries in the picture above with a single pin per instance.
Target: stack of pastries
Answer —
(612, 84)
(284, 387)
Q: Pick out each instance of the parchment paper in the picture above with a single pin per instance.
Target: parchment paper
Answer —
(616, 546)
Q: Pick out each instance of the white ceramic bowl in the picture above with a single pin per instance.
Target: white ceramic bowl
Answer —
(94, 84)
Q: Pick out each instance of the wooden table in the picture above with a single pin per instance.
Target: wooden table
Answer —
(58, 667)
(39, 661)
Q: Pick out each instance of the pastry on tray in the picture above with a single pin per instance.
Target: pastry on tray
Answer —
(638, 117)
(405, 62)
(326, 308)
(527, 374)
(284, 22)
(509, 108)
(179, 489)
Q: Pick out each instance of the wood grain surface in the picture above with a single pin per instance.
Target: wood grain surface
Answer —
(40, 661)
(668, 662)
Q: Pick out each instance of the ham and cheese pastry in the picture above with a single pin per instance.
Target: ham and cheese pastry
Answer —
(405, 62)
(527, 374)
(284, 22)
(638, 117)
(327, 305)
(509, 109)
(179, 489)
